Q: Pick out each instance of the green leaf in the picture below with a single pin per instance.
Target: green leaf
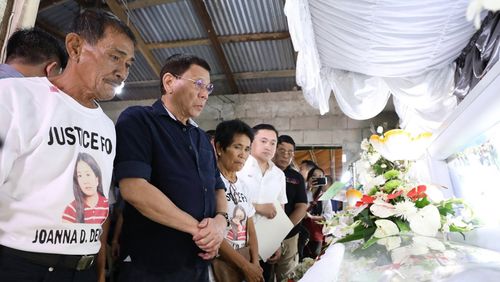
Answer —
(420, 203)
(370, 242)
(332, 191)
(354, 236)
(402, 225)
(360, 232)
(454, 228)
(365, 218)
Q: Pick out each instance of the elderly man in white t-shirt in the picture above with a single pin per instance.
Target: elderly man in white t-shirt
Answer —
(265, 180)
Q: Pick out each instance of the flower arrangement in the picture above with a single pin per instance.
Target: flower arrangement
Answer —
(393, 203)
(297, 273)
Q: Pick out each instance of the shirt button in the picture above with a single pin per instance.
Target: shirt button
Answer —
(205, 189)
(184, 129)
(190, 147)
(51, 269)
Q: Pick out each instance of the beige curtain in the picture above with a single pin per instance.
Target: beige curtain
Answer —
(16, 14)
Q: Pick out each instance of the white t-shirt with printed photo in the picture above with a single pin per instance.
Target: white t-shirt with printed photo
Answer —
(239, 210)
(49, 202)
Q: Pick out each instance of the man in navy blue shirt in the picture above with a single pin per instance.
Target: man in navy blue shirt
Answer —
(175, 217)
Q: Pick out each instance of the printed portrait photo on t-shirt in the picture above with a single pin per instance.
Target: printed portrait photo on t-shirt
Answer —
(238, 231)
(90, 204)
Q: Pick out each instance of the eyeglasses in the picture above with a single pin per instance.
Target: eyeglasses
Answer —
(200, 84)
(288, 152)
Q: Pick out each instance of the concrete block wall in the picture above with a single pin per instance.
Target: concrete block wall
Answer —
(288, 112)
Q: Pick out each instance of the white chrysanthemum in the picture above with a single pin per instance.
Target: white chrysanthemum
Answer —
(405, 209)
(365, 145)
(373, 158)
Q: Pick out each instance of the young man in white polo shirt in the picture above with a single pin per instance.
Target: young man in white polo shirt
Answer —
(265, 180)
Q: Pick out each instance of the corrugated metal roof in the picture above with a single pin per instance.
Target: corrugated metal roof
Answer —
(178, 20)
(168, 22)
(260, 55)
(141, 70)
(61, 15)
(221, 87)
(272, 84)
(203, 51)
(243, 16)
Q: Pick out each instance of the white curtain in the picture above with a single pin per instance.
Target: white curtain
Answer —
(366, 50)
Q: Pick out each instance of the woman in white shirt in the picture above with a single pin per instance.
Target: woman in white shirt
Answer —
(232, 144)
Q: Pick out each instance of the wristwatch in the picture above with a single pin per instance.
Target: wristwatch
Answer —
(224, 214)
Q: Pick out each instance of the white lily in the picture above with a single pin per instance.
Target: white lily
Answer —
(426, 221)
(390, 243)
(429, 242)
(385, 228)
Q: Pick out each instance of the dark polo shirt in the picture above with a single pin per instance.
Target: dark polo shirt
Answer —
(177, 159)
(295, 193)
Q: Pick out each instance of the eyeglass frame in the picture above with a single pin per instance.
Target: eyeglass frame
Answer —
(200, 84)
(288, 152)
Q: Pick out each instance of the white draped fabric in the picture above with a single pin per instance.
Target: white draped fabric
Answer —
(328, 267)
(366, 50)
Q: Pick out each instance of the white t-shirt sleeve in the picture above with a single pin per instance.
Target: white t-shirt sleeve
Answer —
(9, 129)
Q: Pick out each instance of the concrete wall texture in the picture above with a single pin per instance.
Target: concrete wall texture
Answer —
(289, 113)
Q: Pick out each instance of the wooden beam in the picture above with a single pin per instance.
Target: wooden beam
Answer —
(222, 39)
(47, 4)
(147, 3)
(241, 75)
(50, 29)
(179, 43)
(254, 37)
(264, 74)
(141, 45)
(202, 12)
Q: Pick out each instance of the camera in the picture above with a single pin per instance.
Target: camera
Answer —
(319, 181)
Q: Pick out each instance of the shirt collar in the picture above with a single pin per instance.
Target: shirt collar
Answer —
(7, 71)
(190, 121)
(256, 163)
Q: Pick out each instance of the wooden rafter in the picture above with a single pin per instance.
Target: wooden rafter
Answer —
(47, 4)
(48, 28)
(147, 3)
(222, 39)
(141, 45)
(179, 43)
(205, 19)
(264, 74)
(312, 155)
(242, 75)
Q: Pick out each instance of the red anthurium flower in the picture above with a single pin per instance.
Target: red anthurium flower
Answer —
(365, 200)
(417, 192)
(394, 195)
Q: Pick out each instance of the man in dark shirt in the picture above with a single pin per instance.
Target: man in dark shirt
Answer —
(175, 216)
(295, 208)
